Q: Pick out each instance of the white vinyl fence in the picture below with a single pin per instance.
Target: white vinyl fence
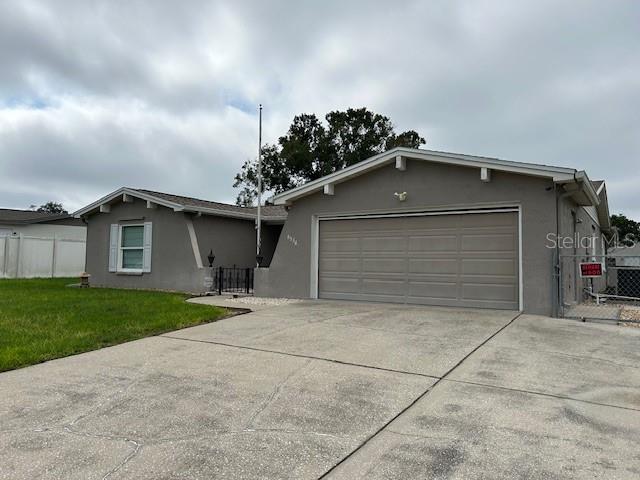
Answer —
(23, 256)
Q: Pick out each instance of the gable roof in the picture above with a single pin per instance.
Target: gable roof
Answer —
(558, 174)
(10, 216)
(181, 203)
(577, 183)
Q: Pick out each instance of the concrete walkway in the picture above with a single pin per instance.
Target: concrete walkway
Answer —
(335, 390)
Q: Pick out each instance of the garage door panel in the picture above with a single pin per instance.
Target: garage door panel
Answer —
(433, 243)
(340, 285)
(489, 279)
(431, 222)
(338, 264)
(433, 265)
(340, 245)
(384, 286)
(383, 244)
(485, 291)
(489, 266)
(432, 289)
(384, 265)
(504, 242)
(453, 259)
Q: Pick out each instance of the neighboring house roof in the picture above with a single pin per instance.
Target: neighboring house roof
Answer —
(9, 216)
(577, 182)
(633, 251)
(181, 203)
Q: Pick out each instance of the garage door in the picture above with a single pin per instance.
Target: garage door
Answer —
(466, 259)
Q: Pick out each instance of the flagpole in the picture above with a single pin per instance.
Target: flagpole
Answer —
(259, 219)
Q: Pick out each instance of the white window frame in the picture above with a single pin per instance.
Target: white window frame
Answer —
(119, 266)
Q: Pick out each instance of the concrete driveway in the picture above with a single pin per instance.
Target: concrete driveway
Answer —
(335, 390)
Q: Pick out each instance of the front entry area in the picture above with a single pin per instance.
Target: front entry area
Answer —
(468, 259)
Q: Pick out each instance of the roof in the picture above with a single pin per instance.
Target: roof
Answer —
(625, 251)
(577, 183)
(267, 210)
(25, 217)
(187, 204)
(539, 170)
(597, 184)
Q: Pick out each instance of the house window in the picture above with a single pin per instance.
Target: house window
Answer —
(131, 247)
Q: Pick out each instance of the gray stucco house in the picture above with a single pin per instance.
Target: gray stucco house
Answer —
(428, 227)
(144, 239)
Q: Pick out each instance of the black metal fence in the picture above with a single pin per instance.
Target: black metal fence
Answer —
(233, 280)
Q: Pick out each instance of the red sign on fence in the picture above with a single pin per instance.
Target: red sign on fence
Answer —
(591, 269)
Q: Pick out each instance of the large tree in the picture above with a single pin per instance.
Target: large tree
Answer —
(311, 149)
(50, 207)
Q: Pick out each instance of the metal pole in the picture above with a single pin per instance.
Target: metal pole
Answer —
(258, 219)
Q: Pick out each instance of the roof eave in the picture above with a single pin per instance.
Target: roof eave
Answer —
(556, 173)
(176, 207)
(225, 213)
(107, 199)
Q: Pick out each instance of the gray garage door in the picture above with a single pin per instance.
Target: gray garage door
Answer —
(466, 260)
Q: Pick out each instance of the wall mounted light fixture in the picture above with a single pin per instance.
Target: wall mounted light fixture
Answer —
(402, 196)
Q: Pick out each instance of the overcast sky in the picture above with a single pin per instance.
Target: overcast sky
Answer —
(95, 95)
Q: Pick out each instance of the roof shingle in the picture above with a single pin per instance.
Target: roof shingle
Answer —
(13, 216)
(267, 210)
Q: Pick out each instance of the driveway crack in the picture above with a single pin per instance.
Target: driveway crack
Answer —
(542, 394)
(299, 355)
(274, 393)
(136, 446)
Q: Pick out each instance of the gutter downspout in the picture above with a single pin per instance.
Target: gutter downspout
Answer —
(558, 304)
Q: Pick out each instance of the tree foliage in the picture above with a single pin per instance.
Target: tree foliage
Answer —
(50, 207)
(312, 149)
(628, 230)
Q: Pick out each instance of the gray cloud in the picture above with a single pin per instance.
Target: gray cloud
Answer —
(99, 94)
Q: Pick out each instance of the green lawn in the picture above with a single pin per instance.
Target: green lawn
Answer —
(42, 319)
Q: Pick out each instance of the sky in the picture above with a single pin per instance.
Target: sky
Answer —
(96, 95)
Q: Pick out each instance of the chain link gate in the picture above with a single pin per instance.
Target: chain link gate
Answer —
(599, 287)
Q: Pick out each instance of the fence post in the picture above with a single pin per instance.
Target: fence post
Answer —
(19, 256)
(5, 261)
(53, 257)
(219, 280)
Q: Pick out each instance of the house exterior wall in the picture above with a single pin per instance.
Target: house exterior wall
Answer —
(173, 264)
(232, 241)
(429, 186)
(578, 225)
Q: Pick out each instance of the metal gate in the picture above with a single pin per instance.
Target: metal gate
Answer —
(233, 280)
(599, 287)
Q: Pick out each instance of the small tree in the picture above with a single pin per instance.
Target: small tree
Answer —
(628, 230)
(50, 207)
